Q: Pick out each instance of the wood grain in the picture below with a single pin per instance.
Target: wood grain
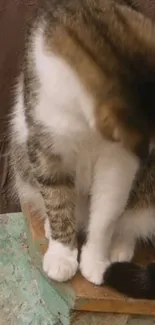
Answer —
(85, 318)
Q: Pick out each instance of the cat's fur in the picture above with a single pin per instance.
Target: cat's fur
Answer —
(84, 110)
(138, 222)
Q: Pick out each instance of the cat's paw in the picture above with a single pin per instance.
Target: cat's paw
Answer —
(121, 252)
(60, 262)
(91, 267)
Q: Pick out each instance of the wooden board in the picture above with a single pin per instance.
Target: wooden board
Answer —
(82, 295)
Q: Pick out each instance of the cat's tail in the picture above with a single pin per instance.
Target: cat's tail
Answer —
(132, 280)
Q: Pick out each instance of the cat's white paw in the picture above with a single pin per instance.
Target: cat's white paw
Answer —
(121, 252)
(91, 267)
(60, 262)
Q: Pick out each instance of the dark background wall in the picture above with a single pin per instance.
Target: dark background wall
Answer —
(13, 17)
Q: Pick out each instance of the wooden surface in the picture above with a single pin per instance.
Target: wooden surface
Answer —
(88, 297)
(91, 318)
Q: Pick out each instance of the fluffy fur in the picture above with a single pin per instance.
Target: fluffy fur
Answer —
(138, 222)
(79, 122)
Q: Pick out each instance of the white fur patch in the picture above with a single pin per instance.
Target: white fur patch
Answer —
(47, 229)
(18, 123)
(64, 101)
(113, 175)
(138, 223)
(133, 225)
(122, 252)
(60, 262)
(92, 267)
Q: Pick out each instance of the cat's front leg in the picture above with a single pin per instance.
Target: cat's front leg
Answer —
(113, 176)
(58, 192)
(60, 260)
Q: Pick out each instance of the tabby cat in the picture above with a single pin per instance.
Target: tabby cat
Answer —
(83, 114)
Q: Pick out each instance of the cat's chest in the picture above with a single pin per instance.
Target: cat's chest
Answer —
(65, 106)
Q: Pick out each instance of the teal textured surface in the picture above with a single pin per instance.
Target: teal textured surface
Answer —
(20, 299)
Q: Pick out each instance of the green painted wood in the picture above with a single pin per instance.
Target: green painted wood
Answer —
(20, 300)
(59, 298)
